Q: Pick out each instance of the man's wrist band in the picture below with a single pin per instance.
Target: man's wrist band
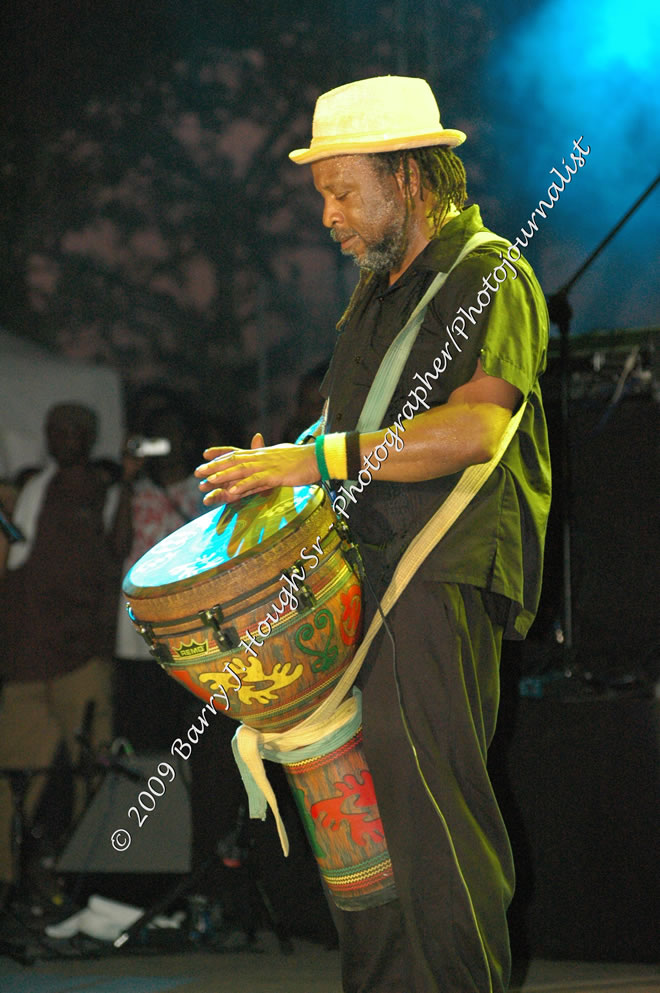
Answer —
(320, 458)
(353, 457)
(334, 446)
(332, 455)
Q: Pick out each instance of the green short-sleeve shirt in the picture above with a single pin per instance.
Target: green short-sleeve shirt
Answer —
(491, 309)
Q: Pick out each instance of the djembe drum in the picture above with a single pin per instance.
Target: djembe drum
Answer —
(256, 608)
(256, 604)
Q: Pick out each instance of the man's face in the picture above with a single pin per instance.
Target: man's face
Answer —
(68, 443)
(364, 209)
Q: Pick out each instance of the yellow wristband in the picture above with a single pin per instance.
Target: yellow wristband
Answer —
(334, 449)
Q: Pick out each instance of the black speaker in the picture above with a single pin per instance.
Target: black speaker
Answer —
(615, 534)
(582, 805)
(137, 821)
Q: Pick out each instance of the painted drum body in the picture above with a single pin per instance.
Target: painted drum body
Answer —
(254, 607)
(335, 795)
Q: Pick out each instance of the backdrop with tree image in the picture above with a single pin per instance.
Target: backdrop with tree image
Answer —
(157, 223)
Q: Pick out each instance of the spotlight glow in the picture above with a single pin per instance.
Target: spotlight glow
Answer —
(591, 68)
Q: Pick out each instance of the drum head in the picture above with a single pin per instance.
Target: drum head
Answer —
(220, 539)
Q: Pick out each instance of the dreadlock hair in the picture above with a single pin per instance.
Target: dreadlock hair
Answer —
(442, 172)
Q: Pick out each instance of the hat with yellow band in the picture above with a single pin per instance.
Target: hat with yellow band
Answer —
(380, 114)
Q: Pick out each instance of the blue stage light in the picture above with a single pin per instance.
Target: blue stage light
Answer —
(592, 68)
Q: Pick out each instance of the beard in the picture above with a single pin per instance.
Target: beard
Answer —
(388, 252)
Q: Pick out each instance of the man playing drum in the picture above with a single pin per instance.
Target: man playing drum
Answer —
(394, 198)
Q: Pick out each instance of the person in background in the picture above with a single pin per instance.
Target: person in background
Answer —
(57, 613)
(309, 402)
(164, 496)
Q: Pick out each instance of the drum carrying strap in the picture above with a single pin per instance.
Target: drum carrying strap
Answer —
(394, 360)
(251, 746)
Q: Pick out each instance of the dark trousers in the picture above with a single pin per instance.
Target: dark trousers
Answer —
(447, 930)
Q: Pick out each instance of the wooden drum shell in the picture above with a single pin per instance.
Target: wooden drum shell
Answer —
(335, 796)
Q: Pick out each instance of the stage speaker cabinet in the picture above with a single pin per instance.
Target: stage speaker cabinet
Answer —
(128, 827)
(615, 476)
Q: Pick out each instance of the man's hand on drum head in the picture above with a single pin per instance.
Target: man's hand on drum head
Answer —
(232, 473)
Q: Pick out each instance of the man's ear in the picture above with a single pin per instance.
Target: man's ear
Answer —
(415, 177)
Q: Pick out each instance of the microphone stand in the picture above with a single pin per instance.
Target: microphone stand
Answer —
(561, 313)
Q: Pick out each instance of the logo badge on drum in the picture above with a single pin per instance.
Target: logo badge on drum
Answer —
(192, 648)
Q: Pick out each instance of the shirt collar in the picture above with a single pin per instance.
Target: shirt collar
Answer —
(442, 250)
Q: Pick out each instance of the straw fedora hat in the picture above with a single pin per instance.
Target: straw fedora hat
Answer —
(380, 114)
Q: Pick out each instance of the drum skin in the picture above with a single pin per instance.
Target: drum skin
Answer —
(335, 796)
(254, 607)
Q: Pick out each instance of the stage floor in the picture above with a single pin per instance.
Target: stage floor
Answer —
(311, 968)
